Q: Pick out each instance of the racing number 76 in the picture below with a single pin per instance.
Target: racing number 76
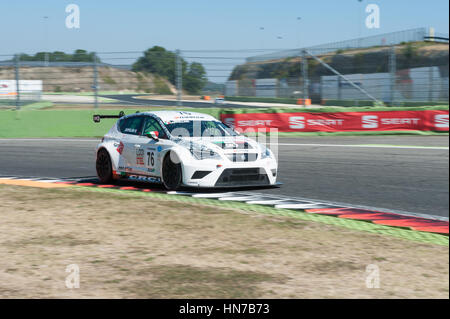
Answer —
(151, 159)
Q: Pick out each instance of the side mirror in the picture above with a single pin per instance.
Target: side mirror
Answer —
(153, 135)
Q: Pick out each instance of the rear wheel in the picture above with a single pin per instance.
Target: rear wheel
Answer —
(104, 167)
(171, 173)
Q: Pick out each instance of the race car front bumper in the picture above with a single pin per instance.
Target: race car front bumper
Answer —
(212, 173)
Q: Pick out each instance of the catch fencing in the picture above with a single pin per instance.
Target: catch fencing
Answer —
(408, 74)
(396, 75)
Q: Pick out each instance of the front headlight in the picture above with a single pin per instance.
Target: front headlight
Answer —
(265, 152)
(201, 152)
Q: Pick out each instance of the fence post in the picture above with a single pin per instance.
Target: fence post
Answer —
(17, 69)
(430, 84)
(95, 84)
(179, 77)
(305, 77)
(392, 74)
(339, 89)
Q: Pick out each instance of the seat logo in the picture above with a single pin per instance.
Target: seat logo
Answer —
(441, 120)
(369, 121)
(297, 122)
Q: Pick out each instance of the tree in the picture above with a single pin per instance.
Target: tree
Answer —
(58, 56)
(195, 79)
(158, 60)
(83, 56)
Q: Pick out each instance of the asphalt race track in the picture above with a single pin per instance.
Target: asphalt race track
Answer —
(341, 169)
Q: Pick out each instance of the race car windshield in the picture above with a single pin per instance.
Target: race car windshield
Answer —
(199, 129)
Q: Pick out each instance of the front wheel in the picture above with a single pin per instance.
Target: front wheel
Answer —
(171, 174)
(103, 166)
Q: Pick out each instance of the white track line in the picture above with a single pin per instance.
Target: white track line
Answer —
(237, 198)
(49, 140)
(213, 195)
(365, 146)
(341, 204)
(304, 206)
(279, 144)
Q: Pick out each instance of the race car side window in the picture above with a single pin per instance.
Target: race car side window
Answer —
(131, 125)
(152, 124)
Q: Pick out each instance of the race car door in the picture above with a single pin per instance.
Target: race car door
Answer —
(152, 148)
(132, 154)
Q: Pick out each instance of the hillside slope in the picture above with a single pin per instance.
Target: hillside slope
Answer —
(370, 60)
(81, 79)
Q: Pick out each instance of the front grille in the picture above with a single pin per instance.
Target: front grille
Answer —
(242, 177)
(234, 146)
(242, 157)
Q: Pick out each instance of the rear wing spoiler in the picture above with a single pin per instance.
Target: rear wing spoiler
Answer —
(98, 117)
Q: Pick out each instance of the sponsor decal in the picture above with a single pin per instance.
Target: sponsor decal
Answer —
(130, 130)
(159, 148)
(139, 156)
(120, 148)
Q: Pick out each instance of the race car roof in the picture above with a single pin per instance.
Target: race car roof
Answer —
(180, 116)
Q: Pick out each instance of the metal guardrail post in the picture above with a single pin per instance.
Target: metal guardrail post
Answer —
(17, 70)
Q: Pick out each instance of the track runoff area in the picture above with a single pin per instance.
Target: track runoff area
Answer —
(395, 181)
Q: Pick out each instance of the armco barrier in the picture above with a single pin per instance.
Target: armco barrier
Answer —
(418, 120)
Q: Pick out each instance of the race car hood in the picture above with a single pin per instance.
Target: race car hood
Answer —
(225, 144)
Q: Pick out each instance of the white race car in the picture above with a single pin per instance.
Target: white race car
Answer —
(181, 148)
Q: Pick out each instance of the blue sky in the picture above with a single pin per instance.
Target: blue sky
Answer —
(136, 25)
(204, 24)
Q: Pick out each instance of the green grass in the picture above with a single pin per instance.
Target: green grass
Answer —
(62, 123)
(261, 99)
(92, 93)
(38, 105)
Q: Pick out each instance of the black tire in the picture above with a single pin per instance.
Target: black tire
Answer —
(104, 167)
(171, 174)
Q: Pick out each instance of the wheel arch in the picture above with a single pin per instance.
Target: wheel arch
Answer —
(179, 154)
(109, 148)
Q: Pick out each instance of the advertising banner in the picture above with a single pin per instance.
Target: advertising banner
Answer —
(9, 87)
(427, 120)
